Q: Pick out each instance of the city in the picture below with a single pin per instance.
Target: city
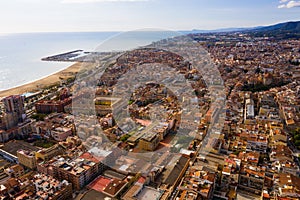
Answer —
(248, 148)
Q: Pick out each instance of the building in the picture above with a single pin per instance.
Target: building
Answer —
(212, 115)
(149, 193)
(12, 187)
(173, 173)
(197, 184)
(251, 158)
(64, 93)
(61, 133)
(251, 179)
(249, 111)
(46, 187)
(111, 187)
(282, 159)
(4, 136)
(47, 107)
(8, 156)
(14, 111)
(21, 131)
(214, 144)
(93, 194)
(13, 121)
(287, 186)
(47, 154)
(9, 150)
(227, 186)
(256, 142)
(277, 137)
(149, 141)
(104, 105)
(27, 158)
(14, 104)
(57, 126)
(134, 191)
(15, 171)
(79, 171)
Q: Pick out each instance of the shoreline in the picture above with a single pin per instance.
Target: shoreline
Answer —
(44, 82)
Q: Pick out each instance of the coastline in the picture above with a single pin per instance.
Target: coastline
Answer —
(47, 81)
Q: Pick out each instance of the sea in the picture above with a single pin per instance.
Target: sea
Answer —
(21, 53)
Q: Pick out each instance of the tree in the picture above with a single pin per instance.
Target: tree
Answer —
(124, 137)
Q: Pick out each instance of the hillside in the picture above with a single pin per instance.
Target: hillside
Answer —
(285, 30)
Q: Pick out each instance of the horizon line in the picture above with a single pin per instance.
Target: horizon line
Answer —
(158, 29)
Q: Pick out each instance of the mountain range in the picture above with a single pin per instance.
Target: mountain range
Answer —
(283, 30)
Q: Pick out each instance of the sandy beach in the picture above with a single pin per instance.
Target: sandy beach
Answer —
(44, 82)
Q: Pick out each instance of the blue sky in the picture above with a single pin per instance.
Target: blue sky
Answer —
(123, 15)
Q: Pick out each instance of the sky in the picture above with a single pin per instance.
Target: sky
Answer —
(124, 15)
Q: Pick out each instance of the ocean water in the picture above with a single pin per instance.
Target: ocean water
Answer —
(20, 54)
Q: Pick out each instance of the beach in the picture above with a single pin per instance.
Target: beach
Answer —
(50, 80)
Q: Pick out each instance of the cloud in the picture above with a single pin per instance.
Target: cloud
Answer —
(289, 4)
(97, 1)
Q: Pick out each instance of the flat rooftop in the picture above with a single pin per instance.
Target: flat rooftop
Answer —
(99, 184)
(95, 195)
(113, 174)
(4, 163)
(13, 146)
(150, 194)
(147, 133)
